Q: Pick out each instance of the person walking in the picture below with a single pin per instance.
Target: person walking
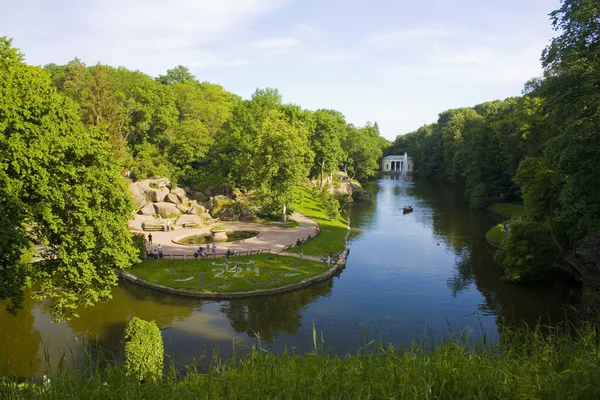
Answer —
(214, 249)
(168, 225)
(159, 250)
(328, 259)
(150, 238)
(301, 253)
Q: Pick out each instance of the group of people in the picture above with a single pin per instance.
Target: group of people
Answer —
(157, 253)
(201, 252)
(309, 237)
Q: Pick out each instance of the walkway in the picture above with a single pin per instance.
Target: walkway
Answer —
(272, 237)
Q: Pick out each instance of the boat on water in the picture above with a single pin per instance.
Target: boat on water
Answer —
(407, 209)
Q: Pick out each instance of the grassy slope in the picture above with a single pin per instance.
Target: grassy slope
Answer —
(333, 230)
(208, 275)
(507, 210)
(529, 366)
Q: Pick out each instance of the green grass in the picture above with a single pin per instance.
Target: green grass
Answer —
(507, 210)
(333, 230)
(496, 235)
(263, 271)
(290, 223)
(523, 365)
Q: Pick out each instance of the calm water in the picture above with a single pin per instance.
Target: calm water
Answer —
(408, 277)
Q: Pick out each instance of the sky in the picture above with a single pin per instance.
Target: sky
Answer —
(395, 62)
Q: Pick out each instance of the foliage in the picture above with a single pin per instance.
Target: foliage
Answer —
(333, 231)
(139, 242)
(523, 364)
(218, 227)
(363, 147)
(496, 235)
(527, 252)
(59, 181)
(273, 271)
(143, 351)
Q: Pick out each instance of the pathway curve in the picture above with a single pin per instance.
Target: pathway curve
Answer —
(272, 237)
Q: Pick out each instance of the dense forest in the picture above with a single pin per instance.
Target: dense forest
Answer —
(541, 148)
(70, 133)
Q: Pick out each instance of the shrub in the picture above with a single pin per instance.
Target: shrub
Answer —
(496, 235)
(218, 228)
(139, 242)
(143, 353)
(527, 252)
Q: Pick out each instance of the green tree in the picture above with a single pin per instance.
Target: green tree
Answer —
(326, 141)
(62, 188)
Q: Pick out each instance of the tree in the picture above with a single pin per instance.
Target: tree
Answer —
(326, 141)
(362, 146)
(179, 74)
(62, 188)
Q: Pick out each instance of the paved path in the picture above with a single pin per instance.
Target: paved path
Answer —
(272, 237)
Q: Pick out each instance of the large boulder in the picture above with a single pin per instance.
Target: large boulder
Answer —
(138, 195)
(164, 208)
(224, 189)
(155, 189)
(148, 209)
(182, 208)
(190, 221)
(180, 192)
(172, 198)
(198, 196)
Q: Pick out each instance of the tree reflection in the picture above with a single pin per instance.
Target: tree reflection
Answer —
(104, 324)
(269, 316)
(19, 340)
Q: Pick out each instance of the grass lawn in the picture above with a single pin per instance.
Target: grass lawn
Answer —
(262, 271)
(333, 230)
(507, 210)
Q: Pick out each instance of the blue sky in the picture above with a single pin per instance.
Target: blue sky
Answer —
(399, 62)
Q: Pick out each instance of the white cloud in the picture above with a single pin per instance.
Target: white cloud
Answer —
(147, 35)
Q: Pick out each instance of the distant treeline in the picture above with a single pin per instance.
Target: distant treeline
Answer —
(542, 148)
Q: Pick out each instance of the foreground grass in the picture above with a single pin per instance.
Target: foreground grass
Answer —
(262, 271)
(333, 230)
(507, 210)
(523, 365)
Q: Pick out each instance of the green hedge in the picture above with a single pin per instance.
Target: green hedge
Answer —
(143, 353)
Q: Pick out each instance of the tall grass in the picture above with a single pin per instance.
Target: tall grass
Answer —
(523, 364)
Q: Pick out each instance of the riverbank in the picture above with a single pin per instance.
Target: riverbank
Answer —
(524, 364)
(495, 236)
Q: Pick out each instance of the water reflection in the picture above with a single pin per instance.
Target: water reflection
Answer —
(408, 275)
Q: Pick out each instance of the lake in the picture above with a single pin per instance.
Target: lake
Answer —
(417, 276)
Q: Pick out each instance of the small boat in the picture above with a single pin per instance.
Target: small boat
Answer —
(407, 209)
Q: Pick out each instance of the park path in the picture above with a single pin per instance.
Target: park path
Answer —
(271, 236)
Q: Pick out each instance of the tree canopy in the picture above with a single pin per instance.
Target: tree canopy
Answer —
(60, 188)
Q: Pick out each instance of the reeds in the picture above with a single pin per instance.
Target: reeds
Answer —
(522, 364)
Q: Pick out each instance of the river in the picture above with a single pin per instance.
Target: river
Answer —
(417, 276)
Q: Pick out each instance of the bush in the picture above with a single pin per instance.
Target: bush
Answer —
(527, 252)
(496, 235)
(139, 242)
(143, 353)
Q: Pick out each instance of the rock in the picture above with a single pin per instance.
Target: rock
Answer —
(172, 198)
(155, 189)
(224, 189)
(179, 192)
(152, 226)
(138, 195)
(166, 208)
(198, 209)
(360, 194)
(148, 209)
(198, 196)
(183, 208)
(187, 189)
(190, 221)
